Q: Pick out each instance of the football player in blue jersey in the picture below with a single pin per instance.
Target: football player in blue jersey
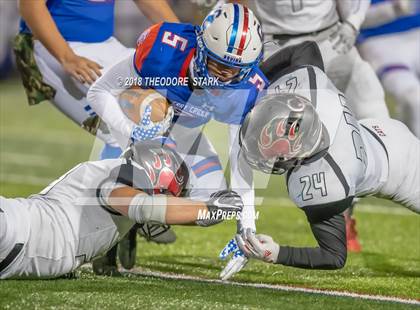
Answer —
(390, 24)
(180, 61)
(64, 45)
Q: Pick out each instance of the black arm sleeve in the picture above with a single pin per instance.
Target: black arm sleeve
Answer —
(306, 53)
(331, 253)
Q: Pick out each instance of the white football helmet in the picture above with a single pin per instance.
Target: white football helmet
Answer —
(230, 35)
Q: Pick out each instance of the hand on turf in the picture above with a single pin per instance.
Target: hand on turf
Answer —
(344, 38)
(236, 263)
(147, 129)
(81, 68)
(261, 247)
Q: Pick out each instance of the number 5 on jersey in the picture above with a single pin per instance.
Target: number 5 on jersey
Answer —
(174, 40)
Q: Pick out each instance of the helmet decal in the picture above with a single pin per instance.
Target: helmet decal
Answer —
(157, 163)
(210, 18)
(167, 160)
(162, 175)
(151, 172)
(280, 138)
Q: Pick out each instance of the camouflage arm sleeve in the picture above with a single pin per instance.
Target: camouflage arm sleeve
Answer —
(36, 90)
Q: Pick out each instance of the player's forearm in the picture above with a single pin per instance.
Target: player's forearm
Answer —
(173, 210)
(353, 11)
(157, 11)
(183, 211)
(309, 258)
(332, 250)
(103, 96)
(242, 180)
(36, 15)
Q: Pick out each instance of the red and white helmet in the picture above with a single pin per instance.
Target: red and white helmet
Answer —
(230, 35)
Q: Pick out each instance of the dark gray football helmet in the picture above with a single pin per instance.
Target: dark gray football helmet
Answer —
(167, 172)
(281, 132)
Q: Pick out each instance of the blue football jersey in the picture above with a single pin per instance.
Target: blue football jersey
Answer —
(89, 21)
(401, 24)
(166, 50)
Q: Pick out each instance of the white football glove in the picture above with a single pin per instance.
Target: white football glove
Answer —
(236, 263)
(344, 38)
(261, 247)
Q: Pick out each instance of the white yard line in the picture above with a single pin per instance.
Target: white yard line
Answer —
(287, 288)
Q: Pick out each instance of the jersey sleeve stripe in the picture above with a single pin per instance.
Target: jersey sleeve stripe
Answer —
(184, 68)
(385, 70)
(377, 139)
(145, 47)
(338, 173)
(244, 32)
(11, 256)
(312, 85)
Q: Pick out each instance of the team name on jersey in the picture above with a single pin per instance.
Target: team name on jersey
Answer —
(190, 110)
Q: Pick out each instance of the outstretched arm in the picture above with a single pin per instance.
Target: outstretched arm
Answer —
(166, 209)
(103, 97)
(331, 252)
(177, 210)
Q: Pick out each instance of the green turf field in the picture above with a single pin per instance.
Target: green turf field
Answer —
(38, 144)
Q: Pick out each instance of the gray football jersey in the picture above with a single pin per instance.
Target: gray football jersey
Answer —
(73, 205)
(296, 16)
(355, 164)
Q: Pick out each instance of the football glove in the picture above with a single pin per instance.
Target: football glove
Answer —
(221, 204)
(261, 247)
(344, 38)
(147, 129)
(236, 263)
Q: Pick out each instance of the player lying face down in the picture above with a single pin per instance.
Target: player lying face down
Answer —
(325, 170)
(85, 212)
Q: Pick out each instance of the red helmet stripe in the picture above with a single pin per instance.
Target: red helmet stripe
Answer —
(244, 32)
